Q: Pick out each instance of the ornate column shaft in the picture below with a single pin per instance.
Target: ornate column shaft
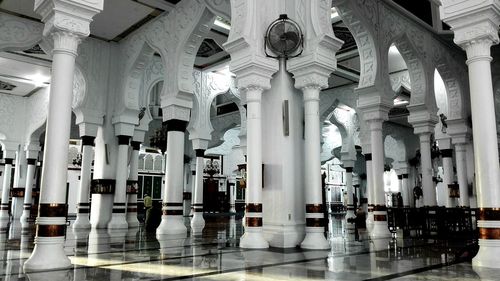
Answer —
(475, 25)
(315, 222)
(197, 222)
(132, 185)
(31, 155)
(4, 207)
(82, 216)
(447, 156)
(66, 23)
(460, 154)
(172, 221)
(19, 188)
(253, 237)
(428, 189)
(118, 217)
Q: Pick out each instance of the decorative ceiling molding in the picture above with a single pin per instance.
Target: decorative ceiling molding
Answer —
(4, 86)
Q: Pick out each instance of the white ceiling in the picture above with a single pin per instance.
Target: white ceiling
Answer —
(25, 76)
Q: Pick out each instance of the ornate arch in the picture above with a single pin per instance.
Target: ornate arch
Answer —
(17, 33)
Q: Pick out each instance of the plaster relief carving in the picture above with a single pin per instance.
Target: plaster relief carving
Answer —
(17, 33)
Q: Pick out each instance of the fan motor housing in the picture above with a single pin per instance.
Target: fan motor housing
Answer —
(284, 38)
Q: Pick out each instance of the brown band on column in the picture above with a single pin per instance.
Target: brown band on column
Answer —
(4, 207)
(253, 208)
(123, 140)
(446, 153)
(489, 214)
(489, 233)
(84, 204)
(119, 204)
(52, 210)
(131, 204)
(370, 207)
(315, 222)
(31, 161)
(136, 145)
(83, 211)
(51, 230)
(172, 212)
(253, 222)
(118, 211)
(168, 204)
(8, 161)
(27, 207)
(350, 207)
(380, 208)
(17, 192)
(379, 217)
(400, 177)
(131, 210)
(88, 140)
(314, 208)
(199, 152)
(348, 169)
(368, 157)
(176, 125)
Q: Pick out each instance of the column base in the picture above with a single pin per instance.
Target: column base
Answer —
(117, 221)
(282, 236)
(171, 225)
(380, 229)
(4, 215)
(253, 239)
(369, 221)
(82, 222)
(315, 239)
(489, 251)
(197, 222)
(232, 209)
(132, 220)
(48, 254)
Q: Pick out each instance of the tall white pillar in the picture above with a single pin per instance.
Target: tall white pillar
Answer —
(475, 25)
(380, 226)
(132, 185)
(232, 194)
(197, 222)
(19, 187)
(369, 190)
(82, 217)
(172, 220)
(253, 237)
(351, 210)
(66, 33)
(428, 188)
(447, 156)
(315, 222)
(4, 207)
(405, 191)
(31, 155)
(460, 154)
(118, 215)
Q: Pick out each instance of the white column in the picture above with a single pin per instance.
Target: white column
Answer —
(19, 187)
(82, 216)
(369, 191)
(253, 237)
(447, 156)
(172, 220)
(7, 174)
(30, 179)
(232, 195)
(428, 188)
(351, 212)
(51, 221)
(197, 222)
(380, 227)
(132, 185)
(118, 216)
(315, 222)
(405, 191)
(460, 154)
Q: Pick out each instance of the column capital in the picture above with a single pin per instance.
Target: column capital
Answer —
(67, 21)
(422, 119)
(175, 111)
(473, 21)
(124, 129)
(88, 129)
(374, 107)
(200, 144)
(459, 131)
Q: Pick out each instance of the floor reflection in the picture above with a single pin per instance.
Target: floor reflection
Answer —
(213, 254)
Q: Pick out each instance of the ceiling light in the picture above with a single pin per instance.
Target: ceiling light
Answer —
(39, 80)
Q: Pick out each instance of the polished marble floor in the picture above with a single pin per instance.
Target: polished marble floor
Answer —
(214, 255)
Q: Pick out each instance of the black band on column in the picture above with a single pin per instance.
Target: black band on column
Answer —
(400, 177)
(446, 153)
(176, 125)
(199, 152)
(8, 161)
(193, 173)
(368, 157)
(348, 169)
(123, 140)
(405, 176)
(31, 161)
(136, 145)
(88, 140)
